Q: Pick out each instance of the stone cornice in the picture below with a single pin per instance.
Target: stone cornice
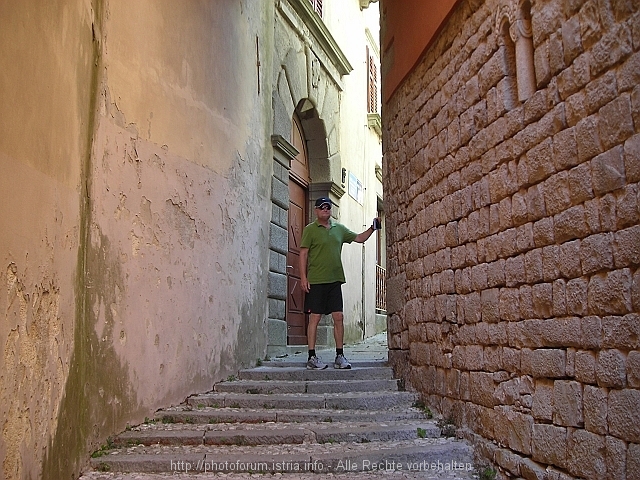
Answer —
(321, 34)
(284, 149)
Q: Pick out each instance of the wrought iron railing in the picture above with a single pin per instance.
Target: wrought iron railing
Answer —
(381, 289)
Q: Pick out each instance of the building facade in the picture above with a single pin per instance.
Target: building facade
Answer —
(147, 153)
(511, 140)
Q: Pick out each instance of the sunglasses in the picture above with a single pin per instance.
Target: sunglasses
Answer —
(324, 207)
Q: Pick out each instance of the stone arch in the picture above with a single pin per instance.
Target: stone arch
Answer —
(304, 87)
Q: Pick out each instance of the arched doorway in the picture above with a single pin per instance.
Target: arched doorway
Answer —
(299, 181)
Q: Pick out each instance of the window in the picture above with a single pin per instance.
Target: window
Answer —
(317, 6)
(372, 83)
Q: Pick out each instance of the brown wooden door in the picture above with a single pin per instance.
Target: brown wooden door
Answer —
(297, 320)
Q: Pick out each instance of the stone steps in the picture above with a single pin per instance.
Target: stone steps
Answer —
(284, 419)
(318, 458)
(316, 386)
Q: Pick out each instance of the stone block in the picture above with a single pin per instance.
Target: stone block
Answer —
(559, 299)
(592, 216)
(509, 304)
(623, 415)
(633, 461)
(585, 366)
(628, 75)
(633, 369)
(565, 149)
(621, 332)
(537, 162)
(481, 388)
(542, 408)
(576, 296)
(515, 271)
(616, 457)
(610, 293)
(550, 263)
(632, 158)
(524, 238)
(514, 429)
(591, 332)
(543, 232)
(535, 203)
(627, 207)
(596, 253)
(276, 308)
(607, 212)
(542, 294)
(595, 409)
(277, 286)
(586, 454)
(614, 45)
(567, 403)
(570, 224)
(511, 359)
(526, 302)
(601, 91)
(608, 171)
(396, 291)
(626, 247)
(533, 266)
(278, 239)
(611, 369)
(495, 274)
(276, 332)
(588, 139)
(539, 363)
(549, 444)
(568, 260)
(557, 195)
(579, 184)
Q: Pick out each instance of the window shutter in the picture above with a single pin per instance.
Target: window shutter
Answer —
(372, 84)
(317, 6)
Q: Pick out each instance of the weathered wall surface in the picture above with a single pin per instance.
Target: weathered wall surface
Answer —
(514, 237)
(45, 120)
(135, 182)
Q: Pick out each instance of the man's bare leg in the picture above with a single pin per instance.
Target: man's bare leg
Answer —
(312, 330)
(338, 328)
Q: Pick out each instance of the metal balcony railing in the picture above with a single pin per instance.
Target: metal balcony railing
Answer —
(381, 289)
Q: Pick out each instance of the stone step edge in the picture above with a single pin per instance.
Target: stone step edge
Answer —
(302, 374)
(295, 434)
(452, 456)
(225, 415)
(299, 363)
(306, 386)
(301, 400)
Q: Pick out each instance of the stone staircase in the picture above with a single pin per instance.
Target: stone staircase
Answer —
(280, 418)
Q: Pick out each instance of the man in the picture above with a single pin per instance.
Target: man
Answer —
(322, 276)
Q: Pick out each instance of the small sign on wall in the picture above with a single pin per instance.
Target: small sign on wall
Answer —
(356, 190)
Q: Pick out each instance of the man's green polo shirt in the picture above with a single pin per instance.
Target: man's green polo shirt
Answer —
(325, 249)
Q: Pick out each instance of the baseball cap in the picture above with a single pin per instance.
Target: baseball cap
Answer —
(323, 201)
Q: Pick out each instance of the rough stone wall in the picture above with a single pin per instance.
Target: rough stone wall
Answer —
(514, 237)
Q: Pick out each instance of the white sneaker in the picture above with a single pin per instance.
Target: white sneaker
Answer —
(341, 362)
(315, 363)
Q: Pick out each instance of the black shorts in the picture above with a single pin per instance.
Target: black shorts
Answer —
(324, 298)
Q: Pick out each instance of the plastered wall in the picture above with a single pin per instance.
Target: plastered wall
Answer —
(514, 236)
(135, 171)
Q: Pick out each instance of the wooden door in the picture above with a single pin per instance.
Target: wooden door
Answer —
(297, 320)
